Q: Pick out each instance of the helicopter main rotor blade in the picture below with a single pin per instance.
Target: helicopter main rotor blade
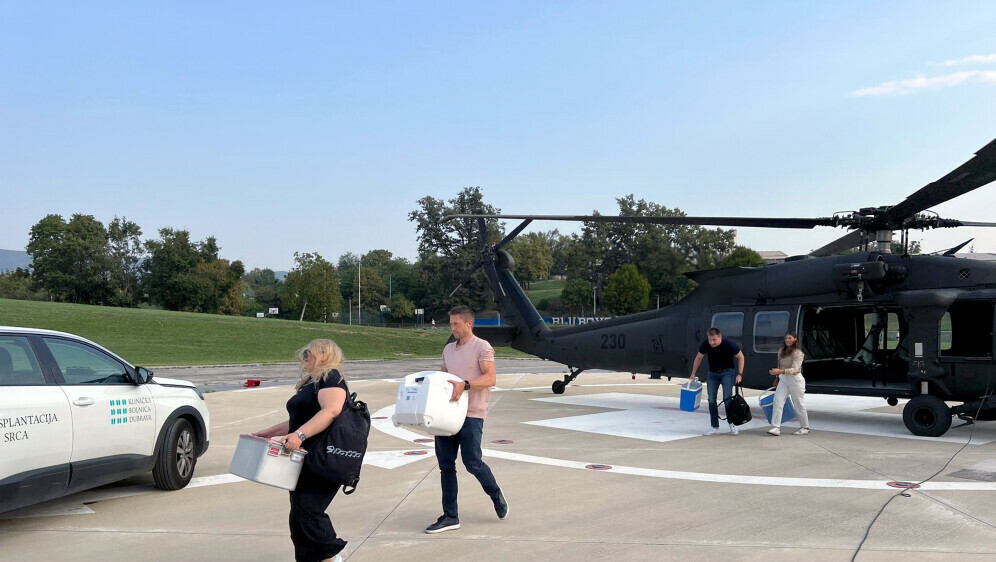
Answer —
(971, 223)
(760, 222)
(512, 234)
(846, 242)
(467, 277)
(975, 173)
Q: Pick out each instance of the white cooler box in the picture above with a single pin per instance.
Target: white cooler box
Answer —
(424, 404)
(267, 462)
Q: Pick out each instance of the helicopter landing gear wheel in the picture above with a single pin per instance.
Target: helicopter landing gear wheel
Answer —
(927, 416)
(560, 386)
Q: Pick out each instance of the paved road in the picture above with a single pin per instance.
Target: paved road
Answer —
(227, 377)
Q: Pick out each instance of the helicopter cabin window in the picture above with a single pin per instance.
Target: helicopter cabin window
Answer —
(731, 324)
(966, 330)
(769, 331)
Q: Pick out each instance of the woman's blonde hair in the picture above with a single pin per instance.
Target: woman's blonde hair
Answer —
(329, 357)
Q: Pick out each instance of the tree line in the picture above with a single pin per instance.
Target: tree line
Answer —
(620, 266)
(616, 265)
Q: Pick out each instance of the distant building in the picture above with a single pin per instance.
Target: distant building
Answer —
(773, 256)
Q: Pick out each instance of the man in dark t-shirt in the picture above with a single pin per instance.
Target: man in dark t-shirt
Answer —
(722, 370)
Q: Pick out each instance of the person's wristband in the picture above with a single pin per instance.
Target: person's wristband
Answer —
(301, 435)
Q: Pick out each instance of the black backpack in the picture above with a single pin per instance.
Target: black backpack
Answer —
(337, 454)
(737, 409)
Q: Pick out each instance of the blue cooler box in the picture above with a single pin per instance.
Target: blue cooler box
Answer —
(691, 396)
(767, 401)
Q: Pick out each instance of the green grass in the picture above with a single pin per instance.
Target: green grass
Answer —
(540, 290)
(158, 337)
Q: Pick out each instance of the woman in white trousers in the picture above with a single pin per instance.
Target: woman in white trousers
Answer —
(789, 382)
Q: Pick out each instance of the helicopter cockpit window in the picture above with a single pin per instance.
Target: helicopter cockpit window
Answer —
(731, 324)
(769, 331)
(966, 330)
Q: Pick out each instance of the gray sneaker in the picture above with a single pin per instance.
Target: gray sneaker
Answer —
(501, 506)
(444, 523)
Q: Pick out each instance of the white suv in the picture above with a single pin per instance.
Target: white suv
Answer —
(74, 416)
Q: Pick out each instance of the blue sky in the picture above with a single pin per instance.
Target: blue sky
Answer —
(317, 126)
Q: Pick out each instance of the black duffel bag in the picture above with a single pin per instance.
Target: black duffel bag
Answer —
(737, 409)
(337, 454)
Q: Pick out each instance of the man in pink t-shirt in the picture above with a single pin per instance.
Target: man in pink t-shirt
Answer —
(473, 360)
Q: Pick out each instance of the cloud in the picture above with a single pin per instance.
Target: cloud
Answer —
(971, 59)
(921, 82)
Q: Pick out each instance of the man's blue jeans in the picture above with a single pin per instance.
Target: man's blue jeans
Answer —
(468, 440)
(713, 380)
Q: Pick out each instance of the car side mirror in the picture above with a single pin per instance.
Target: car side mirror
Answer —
(142, 375)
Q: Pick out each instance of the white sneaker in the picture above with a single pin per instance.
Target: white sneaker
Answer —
(734, 430)
(712, 431)
(774, 431)
(802, 431)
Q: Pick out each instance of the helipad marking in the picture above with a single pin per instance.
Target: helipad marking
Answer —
(577, 385)
(656, 418)
(406, 435)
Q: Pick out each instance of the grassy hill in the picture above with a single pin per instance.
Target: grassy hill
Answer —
(157, 337)
(540, 290)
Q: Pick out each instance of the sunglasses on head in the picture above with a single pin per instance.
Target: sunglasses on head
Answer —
(305, 354)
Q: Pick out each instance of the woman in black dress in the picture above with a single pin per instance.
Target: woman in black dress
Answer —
(320, 396)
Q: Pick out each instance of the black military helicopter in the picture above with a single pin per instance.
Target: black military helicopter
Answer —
(871, 323)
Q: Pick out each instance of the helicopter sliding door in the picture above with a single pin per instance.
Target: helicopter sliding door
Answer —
(966, 346)
(759, 331)
(859, 350)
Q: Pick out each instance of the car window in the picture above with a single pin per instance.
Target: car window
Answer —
(18, 364)
(82, 364)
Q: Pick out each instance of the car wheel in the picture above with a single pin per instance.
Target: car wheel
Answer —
(927, 416)
(176, 460)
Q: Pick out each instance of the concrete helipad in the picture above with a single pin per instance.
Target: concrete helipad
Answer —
(611, 469)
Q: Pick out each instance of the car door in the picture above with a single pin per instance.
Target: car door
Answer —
(36, 431)
(113, 418)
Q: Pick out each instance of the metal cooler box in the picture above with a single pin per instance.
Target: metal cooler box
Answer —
(424, 404)
(261, 460)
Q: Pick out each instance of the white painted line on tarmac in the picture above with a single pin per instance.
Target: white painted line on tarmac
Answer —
(742, 479)
(202, 481)
(55, 508)
(261, 388)
(394, 459)
(76, 504)
(407, 435)
(387, 426)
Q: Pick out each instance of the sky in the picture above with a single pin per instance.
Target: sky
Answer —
(316, 126)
